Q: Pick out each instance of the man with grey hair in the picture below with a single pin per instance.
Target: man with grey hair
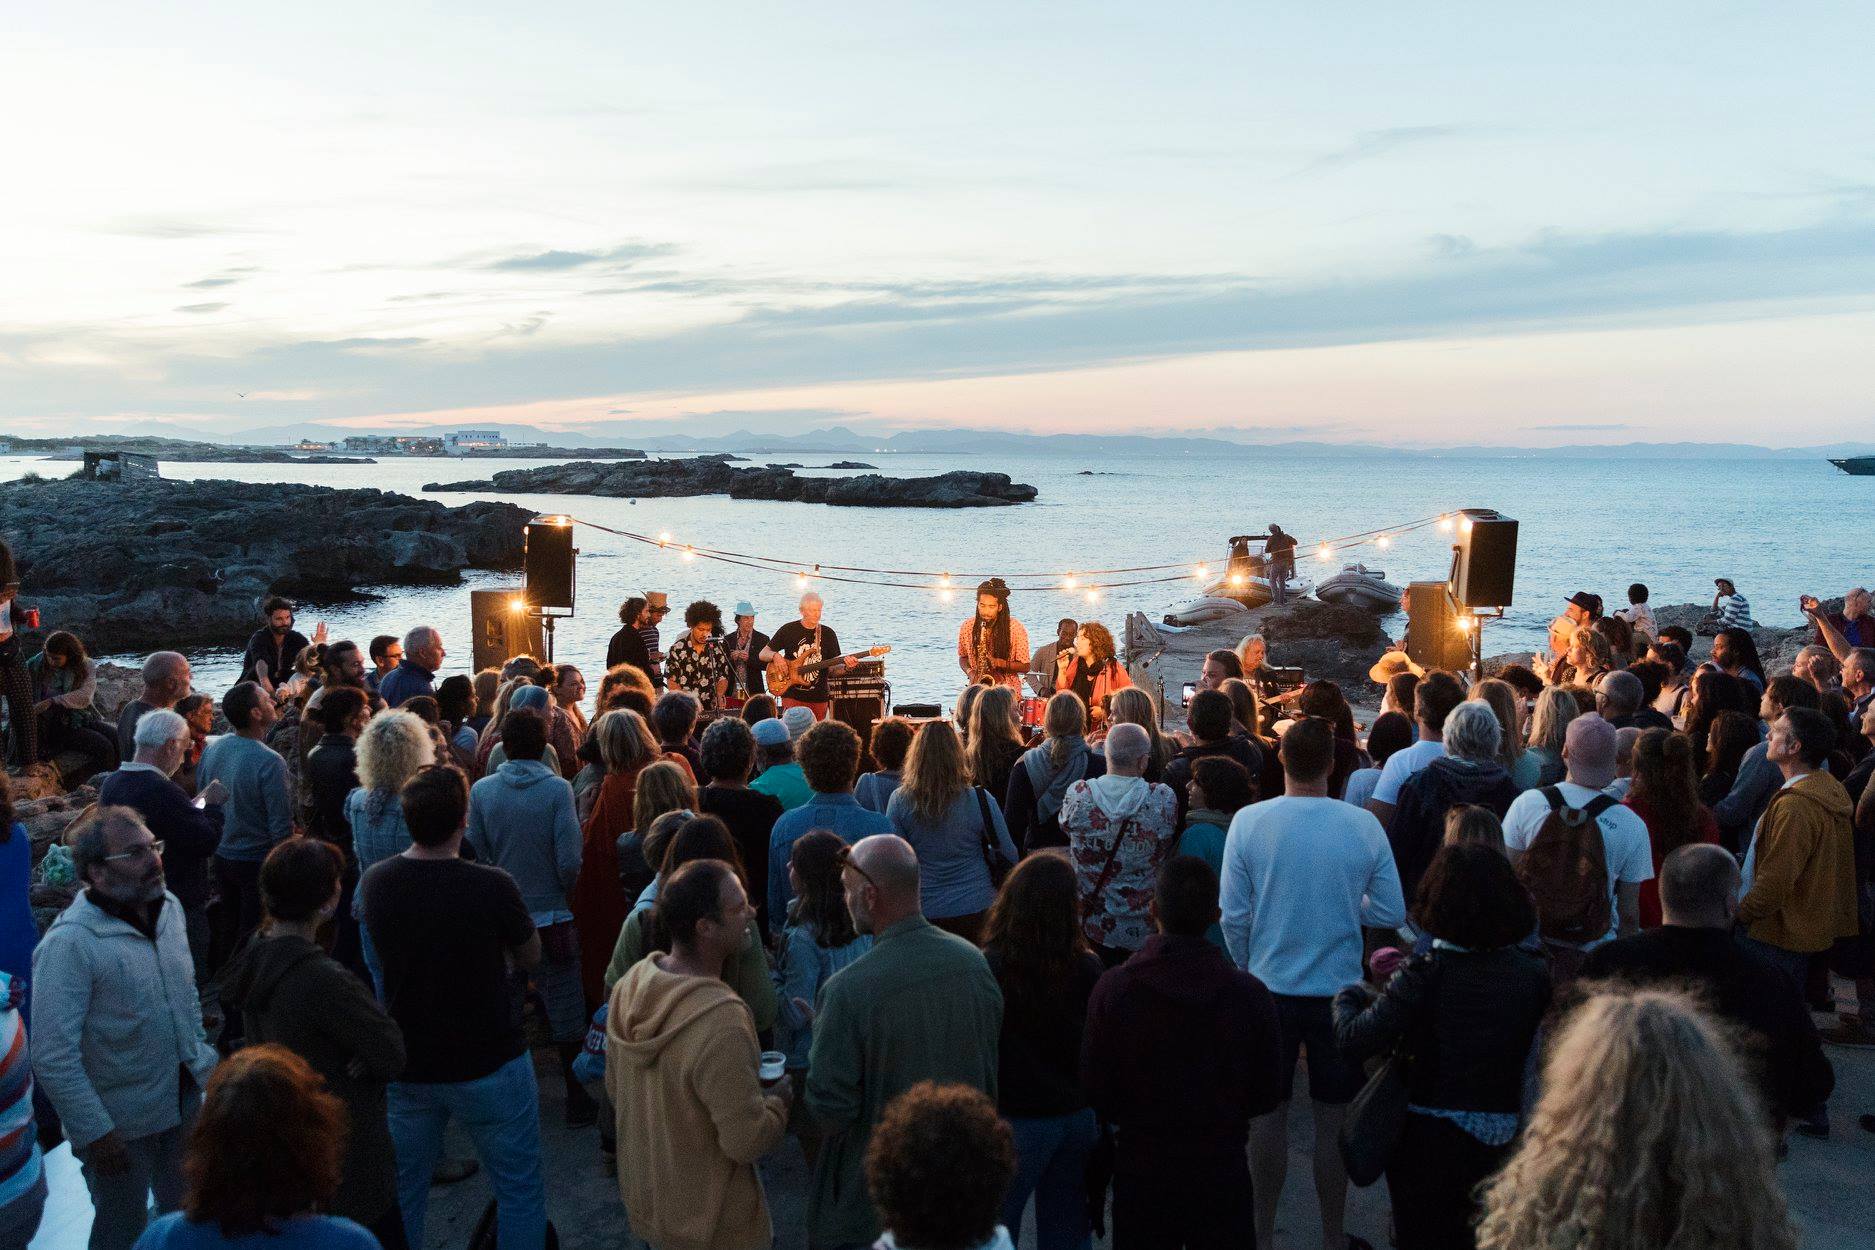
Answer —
(1858, 682)
(118, 1046)
(1119, 828)
(1620, 698)
(415, 674)
(788, 643)
(1468, 773)
(921, 1005)
(166, 680)
(189, 834)
(1699, 902)
(1845, 631)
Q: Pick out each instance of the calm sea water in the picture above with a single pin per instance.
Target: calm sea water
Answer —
(1779, 528)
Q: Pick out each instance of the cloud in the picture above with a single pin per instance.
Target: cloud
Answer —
(524, 328)
(1582, 426)
(201, 308)
(1451, 246)
(624, 255)
(208, 284)
(1371, 144)
(163, 226)
(1009, 324)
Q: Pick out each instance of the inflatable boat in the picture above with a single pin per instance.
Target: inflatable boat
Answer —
(1253, 591)
(1206, 607)
(1357, 586)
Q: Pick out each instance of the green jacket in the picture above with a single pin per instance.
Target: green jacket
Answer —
(922, 1005)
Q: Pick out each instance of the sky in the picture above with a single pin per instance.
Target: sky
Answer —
(1436, 224)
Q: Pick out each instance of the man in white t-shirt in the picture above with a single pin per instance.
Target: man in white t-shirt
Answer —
(1589, 755)
(1303, 873)
(1433, 700)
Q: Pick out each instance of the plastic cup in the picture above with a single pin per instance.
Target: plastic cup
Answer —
(774, 1066)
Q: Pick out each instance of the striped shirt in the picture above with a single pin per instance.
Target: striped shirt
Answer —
(1734, 612)
(20, 1163)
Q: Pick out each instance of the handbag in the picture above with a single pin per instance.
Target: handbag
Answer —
(992, 855)
(1371, 1131)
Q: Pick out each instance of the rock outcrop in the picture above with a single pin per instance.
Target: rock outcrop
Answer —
(140, 565)
(660, 479)
(851, 464)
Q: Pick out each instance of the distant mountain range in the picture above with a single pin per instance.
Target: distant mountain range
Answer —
(672, 436)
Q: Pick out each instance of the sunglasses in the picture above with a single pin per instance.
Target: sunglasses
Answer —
(152, 849)
(846, 861)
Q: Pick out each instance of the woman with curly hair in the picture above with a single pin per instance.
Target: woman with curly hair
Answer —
(1092, 670)
(392, 748)
(1038, 953)
(263, 1160)
(937, 1166)
(1647, 1137)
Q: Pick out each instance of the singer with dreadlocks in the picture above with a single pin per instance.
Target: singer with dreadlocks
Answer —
(992, 646)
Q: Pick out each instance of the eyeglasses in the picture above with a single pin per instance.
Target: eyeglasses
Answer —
(660, 611)
(152, 848)
(846, 861)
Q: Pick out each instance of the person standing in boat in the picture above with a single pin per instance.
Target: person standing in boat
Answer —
(992, 646)
(1280, 555)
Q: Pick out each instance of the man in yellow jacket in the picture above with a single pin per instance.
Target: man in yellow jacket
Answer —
(682, 1067)
(1802, 860)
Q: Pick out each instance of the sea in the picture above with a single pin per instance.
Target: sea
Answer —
(1778, 527)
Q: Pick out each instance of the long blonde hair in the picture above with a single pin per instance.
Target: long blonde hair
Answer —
(935, 772)
(662, 787)
(391, 749)
(1549, 719)
(1064, 721)
(625, 742)
(1647, 1137)
(992, 722)
(1133, 706)
(1502, 696)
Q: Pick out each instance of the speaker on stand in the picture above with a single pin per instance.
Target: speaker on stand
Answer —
(1484, 571)
(548, 562)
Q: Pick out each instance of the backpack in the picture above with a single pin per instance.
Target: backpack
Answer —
(1565, 868)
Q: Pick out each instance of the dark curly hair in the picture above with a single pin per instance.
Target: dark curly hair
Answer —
(727, 750)
(1228, 786)
(891, 740)
(829, 756)
(266, 1144)
(703, 610)
(938, 1165)
(1470, 897)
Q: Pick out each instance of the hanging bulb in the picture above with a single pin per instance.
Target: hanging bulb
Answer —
(1324, 553)
(946, 594)
(1445, 524)
(1093, 595)
(1236, 579)
(800, 581)
(664, 538)
(1383, 542)
(1069, 582)
(1200, 573)
(1465, 526)
(690, 553)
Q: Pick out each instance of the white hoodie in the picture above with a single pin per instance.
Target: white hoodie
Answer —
(1120, 797)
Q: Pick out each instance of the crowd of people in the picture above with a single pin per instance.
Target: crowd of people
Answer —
(1548, 945)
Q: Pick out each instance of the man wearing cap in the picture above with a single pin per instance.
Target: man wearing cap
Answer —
(789, 641)
(781, 778)
(745, 646)
(1580, 613)
(657, 607)
(1589, 757)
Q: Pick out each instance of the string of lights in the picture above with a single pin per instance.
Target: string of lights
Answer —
(1089, 583)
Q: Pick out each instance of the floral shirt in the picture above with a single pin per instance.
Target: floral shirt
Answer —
(1120, 917)
(694, 672)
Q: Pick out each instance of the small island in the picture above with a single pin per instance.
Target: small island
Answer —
(851, 464)
(671, 479)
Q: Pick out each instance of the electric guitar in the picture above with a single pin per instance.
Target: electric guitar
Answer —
(785, 675)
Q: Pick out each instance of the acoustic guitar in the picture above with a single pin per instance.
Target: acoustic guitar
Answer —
(785, 675)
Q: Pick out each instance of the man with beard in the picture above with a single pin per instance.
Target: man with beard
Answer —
(921, 1005)
(274, 646)
(117, 1027)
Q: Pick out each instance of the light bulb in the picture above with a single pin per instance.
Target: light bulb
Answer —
(1236, 579)
(947, 594)
(1201, 572)
(1445, 523)
(1325, 553)
(1464, 624)
(1383, 542)
(800, 581)
(690, 553)
(663, 538)
(1069, 582)
(1465, 525)
(1093, 595)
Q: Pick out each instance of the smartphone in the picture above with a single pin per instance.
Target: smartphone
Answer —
(198, 803)
(1191, 688)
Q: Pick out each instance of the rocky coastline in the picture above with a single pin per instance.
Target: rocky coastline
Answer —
(135, 566)
(666, 479)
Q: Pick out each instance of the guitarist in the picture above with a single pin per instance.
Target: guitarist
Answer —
(788, 642)
(992, 646)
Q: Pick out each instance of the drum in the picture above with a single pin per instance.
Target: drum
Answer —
(1033, 712)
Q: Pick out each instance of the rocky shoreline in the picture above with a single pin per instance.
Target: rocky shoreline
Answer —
(135, 566)
(667, 479)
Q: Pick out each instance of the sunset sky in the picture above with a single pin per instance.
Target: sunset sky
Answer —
(1352, 222)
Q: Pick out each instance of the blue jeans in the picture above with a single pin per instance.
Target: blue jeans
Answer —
(502, 1113)
(1051, 1163)
(370, 954)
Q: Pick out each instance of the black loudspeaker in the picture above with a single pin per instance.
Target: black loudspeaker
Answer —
(501, 628)
(1433, 638)
(1484, 559)
(549, 563)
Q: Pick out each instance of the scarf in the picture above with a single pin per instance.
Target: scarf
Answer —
(1052, 787)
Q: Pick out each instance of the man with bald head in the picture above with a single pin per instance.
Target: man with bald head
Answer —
(1699, 901)
(921, 1005)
